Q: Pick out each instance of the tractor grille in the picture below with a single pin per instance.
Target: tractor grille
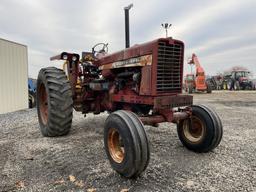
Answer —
(169, 67)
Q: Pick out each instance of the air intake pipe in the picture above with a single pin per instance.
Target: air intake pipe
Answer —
(127, 30)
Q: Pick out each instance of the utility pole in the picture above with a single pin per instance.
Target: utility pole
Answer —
(166, 26)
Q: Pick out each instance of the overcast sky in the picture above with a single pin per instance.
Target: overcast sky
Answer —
(221, 32)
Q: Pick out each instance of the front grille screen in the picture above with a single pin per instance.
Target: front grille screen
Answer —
(169, 67)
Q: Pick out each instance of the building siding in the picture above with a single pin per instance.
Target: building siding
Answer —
(13, 76)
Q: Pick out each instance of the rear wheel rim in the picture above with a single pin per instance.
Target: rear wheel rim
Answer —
(115, 145)
(43, 104)
(196, 132)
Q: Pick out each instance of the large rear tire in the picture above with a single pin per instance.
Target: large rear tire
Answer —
(203, 132)
(126, 143)
(54, 102)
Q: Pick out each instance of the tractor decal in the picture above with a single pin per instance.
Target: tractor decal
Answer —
(132, 62)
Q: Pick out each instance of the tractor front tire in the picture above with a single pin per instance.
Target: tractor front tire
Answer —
(31, 99)
(237, 86)
(190, 89)
(126, 143)
(208, 88)
(54, 102)
(203, 131)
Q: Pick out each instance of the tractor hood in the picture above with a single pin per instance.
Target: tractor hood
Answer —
(139, 53)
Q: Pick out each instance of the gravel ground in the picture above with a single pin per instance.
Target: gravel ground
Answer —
(77, 162)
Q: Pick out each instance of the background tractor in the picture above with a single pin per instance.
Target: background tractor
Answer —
(216, 81)
(238, 79)
(140, 85)
(197, 82)
(31, 93)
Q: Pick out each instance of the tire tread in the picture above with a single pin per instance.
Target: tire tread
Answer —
(60, 105)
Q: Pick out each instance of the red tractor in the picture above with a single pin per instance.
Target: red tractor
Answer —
(238, 79)
(196, 82)
(138, 86)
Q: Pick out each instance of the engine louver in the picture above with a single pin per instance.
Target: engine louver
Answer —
(169, 67)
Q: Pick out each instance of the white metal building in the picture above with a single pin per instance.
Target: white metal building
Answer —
(13, 76)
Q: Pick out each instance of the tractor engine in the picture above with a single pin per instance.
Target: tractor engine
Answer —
(142, 72)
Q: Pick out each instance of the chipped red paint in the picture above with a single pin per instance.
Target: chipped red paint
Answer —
(148, 87)
(143, 57)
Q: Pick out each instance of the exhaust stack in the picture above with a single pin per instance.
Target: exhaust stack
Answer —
(127, 30)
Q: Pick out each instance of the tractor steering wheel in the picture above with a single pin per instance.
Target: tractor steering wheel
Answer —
(100, 48)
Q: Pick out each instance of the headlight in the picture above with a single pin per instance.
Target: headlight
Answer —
(65, 57)
(74, 58)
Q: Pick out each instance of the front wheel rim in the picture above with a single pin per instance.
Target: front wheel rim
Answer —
(196, 132)
(115, 145)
